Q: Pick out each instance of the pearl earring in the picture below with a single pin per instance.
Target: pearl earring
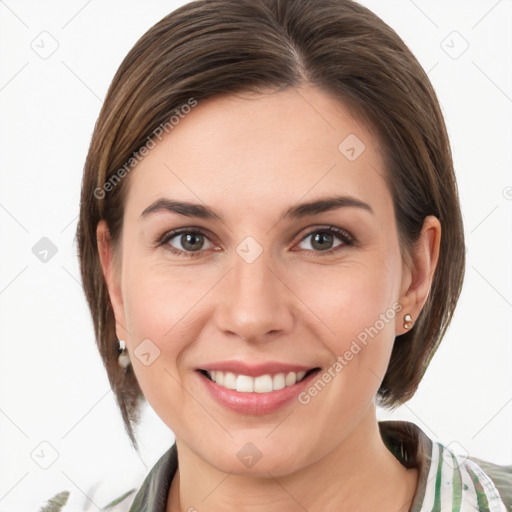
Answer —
(124, 358)
(407, 321)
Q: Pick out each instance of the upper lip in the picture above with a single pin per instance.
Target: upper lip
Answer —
(254, 370)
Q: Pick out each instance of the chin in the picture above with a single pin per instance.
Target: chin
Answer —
(260, 458)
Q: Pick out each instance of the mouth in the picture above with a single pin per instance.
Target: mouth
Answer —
(255, 388)
(265, 383)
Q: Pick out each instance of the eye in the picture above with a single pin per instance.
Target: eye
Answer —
(185, 242)
(192, 242)
(327, 239)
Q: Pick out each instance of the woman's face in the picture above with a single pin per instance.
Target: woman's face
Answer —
(259, 241)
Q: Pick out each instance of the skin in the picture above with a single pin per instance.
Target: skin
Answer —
(250, 157)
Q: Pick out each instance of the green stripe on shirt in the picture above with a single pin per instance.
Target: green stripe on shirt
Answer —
(437, 499)
(483, 504)
(457, 485)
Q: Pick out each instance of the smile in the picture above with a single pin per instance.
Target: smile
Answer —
(254, 388)
(260, 384)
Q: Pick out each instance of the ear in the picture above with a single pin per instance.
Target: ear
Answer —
(419, 272)
(112, 275)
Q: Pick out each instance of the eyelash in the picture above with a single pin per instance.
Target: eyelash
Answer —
(342, 235)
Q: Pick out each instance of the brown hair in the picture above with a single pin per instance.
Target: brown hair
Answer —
(212, 47)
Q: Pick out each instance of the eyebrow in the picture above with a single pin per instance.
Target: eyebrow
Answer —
(295, 212)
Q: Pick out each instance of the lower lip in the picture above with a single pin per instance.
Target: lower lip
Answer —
(254, 403)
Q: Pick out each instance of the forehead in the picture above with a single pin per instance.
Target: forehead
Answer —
(259, 150)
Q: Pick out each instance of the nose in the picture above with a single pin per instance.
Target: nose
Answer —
(255, 302)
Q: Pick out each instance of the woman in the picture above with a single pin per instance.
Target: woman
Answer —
(271, 244)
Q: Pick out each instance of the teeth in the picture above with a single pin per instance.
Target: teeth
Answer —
(291, 379)
(262, 384)
(278, 381)
(229, 380)
(245, 384)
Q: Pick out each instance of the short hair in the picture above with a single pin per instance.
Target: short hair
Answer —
(209, 48)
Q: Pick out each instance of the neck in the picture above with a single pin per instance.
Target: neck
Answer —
(359, 474)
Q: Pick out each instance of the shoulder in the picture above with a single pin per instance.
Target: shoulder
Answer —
(153, 493)
(501, 477)
(448, 480)
(458, 482)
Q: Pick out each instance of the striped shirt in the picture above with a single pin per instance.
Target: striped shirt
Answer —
(447, 482)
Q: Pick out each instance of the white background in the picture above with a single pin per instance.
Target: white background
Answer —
(53, 387)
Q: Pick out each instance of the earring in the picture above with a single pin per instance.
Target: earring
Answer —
(407, 321)
(124, 358)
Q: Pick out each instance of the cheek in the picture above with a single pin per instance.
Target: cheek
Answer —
(158, 302)
(158, 307)
(354, 298)
(360, 313)
(361, 316)
(357, 305)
